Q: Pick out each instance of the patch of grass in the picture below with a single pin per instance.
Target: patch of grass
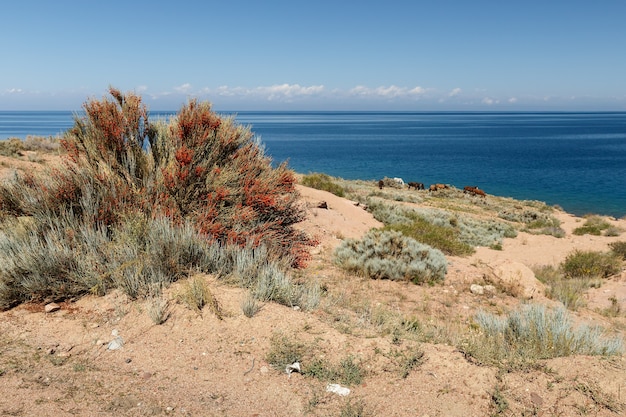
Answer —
(594, 225)
(284, 350)
(250, 306)
(569, 291)
(158, 310)
(499, 403)
(535, 332)
(196, 295)
(323, 182)
(353, 410)
(347, 372)
(534, 221)
(406, 360)
(619, 248)
(12, 147)
(590, 264)
(614, 310)
(600, 398)
(391, 255)
(444, 238)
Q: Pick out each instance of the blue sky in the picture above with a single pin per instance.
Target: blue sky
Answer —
(314, 55)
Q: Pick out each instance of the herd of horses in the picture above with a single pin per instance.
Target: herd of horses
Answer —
(468, 189)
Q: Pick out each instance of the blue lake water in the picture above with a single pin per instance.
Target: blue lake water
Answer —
(575, 160)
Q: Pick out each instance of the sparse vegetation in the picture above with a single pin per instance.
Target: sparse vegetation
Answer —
(534, 332)
(284, 350)
(619, 248)
(535, 221)
(569, 291)
(391, 255)
(323, 182)
(590, 264)
(196, 294)
(594, 225)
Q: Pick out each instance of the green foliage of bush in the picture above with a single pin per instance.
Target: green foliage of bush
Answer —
(11, 147)
(590, 264)
(594, 225)
(391, 255)
(323, 182)
(536, 222)
(448, 232)
(285, 350)
(567, 290)
(535, 332)
(446, 239)
(619, 248)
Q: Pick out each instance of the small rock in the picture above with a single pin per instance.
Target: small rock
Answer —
(116, 343)
(323, 205)
(51, 307)
(115, 333)
(536, 399)
(264, 370)
(490, 289)
(477, 289)
(338, 389)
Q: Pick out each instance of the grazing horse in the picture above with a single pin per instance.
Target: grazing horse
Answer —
(381, 184)
(435, 187)
(472, 189)
(416, 185)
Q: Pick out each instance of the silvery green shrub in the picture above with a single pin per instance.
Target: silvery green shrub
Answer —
(391, 255)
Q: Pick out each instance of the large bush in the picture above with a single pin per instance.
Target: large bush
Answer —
(391, 255)
(133, 199)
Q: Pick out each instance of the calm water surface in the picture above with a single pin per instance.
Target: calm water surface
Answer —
(575, 160)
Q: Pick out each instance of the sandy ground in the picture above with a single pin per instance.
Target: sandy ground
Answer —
(197, 365)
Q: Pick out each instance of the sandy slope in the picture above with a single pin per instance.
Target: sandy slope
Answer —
(58, 363)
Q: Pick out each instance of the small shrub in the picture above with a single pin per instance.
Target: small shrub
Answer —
(569, 291)
(12, 147)
(323, 182)
(612, 231)
(390, 255)
(196, 294)
(590, 264)
(446, 239)
(407, 360)
(347, 372)
(250, 306)
(535, 332)
(353, 410)
(158, 310)
(594, 225)
(619, 248)
(284, 351)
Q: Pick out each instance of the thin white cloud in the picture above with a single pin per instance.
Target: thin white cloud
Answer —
(512, 100)
(455, 92)
(489, 101)
(288, 91)
(389, 92)
(184, 88)
(14, 91)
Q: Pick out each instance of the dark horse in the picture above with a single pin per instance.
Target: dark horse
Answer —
(416, 185)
